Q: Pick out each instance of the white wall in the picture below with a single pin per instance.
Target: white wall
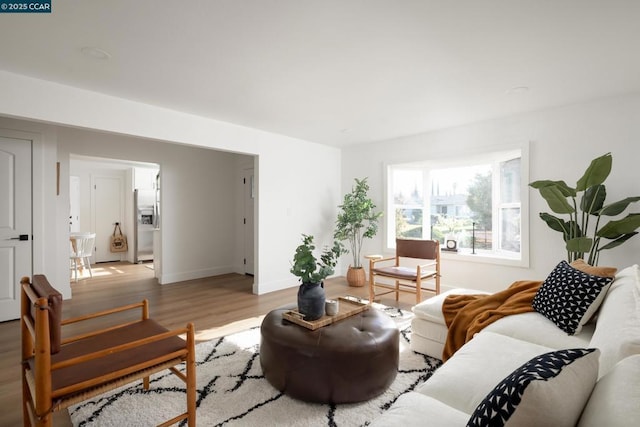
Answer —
(301, 183)
(563, 142)
(298, 181)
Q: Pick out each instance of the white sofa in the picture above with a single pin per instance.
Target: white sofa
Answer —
(454, 391)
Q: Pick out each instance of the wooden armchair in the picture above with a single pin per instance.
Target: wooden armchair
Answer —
(407, 278)
(57, 373)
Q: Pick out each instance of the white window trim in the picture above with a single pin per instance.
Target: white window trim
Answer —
(448, 159)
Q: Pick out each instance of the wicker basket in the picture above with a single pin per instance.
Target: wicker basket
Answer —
(356, 277)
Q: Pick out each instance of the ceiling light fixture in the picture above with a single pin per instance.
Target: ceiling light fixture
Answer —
(95, 53)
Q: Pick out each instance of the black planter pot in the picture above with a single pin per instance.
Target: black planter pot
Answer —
(311, 298)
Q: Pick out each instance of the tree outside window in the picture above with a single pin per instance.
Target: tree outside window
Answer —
(477, 204)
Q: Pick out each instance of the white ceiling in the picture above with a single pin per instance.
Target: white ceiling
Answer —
(336, 72)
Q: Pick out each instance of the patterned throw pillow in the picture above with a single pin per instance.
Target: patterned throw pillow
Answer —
(549, 390)
(569, 297)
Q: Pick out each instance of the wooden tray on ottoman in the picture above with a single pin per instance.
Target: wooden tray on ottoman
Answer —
(347, 306)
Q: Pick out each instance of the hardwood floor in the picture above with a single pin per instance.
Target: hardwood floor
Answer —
(217, 305)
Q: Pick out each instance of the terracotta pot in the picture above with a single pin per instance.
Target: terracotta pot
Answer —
(356, 277)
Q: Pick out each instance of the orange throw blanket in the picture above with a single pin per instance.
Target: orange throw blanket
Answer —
(465, 315)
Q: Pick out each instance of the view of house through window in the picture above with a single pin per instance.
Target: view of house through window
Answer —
(475, 202)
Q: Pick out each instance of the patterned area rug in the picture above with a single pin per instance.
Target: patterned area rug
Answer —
(233, 392)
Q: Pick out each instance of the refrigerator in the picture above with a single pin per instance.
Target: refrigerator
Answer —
(144, 202)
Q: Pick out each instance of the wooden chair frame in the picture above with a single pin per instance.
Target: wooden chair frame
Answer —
(410, 281)
(39, 400)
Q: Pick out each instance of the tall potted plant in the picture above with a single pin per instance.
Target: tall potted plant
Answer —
(583, 232)
(356, 221)
(311, 271)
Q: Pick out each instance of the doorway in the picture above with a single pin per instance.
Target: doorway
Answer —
(249, 198)
(101, 195)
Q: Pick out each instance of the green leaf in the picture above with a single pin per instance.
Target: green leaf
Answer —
(556, 200)
(574, 230)
(555, 223)
(617, 208)
(618, 241)
(579, 244)
(560, 185)
(596, 173)
(306, 266)
(357, 218)
(615, 229)
(593, 199)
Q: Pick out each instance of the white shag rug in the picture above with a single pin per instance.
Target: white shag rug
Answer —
(233, 392)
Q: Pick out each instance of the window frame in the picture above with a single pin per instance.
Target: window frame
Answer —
(452, 160)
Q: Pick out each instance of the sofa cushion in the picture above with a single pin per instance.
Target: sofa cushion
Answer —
(550, 389)
(428, 337)
(534, 327)
(433, 331)
(465, 379)
(569, 297)
(417, 410)
(427, 346)
(617, 332)
(595, 270)
(431, 308)
(615, 400)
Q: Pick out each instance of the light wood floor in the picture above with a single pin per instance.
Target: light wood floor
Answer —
(217, 305)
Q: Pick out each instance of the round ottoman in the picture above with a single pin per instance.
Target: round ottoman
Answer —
(352, 360)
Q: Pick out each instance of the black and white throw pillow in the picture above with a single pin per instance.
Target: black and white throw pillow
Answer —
(549, 390)
(569, 297)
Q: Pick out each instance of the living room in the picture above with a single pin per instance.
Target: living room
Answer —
(301, 180)
(568, 135)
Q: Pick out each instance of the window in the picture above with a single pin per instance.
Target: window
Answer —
(475, 200)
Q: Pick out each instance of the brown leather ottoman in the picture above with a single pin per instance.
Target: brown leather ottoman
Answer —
(352, 360)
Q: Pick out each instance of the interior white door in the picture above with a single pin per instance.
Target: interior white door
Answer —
(15, 222)
(249, 197)
(74, 204)
(108, 202)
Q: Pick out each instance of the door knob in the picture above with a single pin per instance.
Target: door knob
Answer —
(20, 237)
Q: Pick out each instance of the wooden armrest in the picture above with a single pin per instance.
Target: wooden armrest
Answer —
(102, 313)
(26, 287)
(122, 347)
(374, 261)
(144, 305)
(429, 264)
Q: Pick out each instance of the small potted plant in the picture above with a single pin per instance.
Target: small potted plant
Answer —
(311, 295)
(356, 221)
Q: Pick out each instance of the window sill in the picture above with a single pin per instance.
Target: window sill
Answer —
(485, 258)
